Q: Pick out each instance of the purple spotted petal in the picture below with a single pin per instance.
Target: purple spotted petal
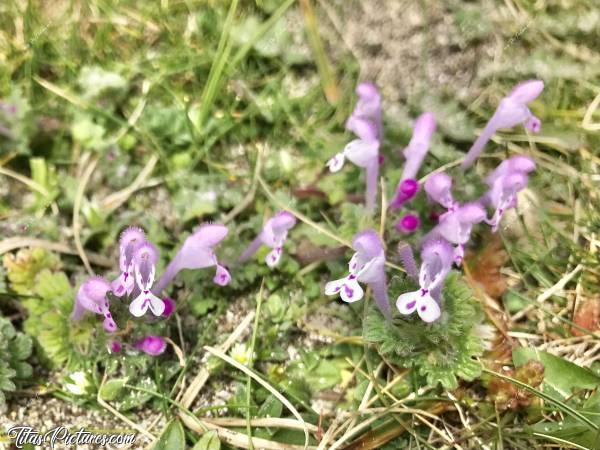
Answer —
(222, 277)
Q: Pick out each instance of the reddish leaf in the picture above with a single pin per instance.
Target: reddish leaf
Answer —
(587, 316)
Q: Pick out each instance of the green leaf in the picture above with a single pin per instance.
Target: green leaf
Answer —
(112, 389)
(560, 376)
(208, 441)
(172, 438)
(271, 407)
(22, 346)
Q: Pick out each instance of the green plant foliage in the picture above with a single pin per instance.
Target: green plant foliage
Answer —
(562, 378)
(172, 438)
(23, 267)
(443, 351)
(61, 341)
(15, 349)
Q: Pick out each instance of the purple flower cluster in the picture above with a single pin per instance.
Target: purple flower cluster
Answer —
(443, 246)
(135, 284)
(138, 259)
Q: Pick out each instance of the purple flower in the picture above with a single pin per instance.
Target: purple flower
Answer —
(436, 258)
(92, 297)
(197, 252)
(144, 263)
(365, 120)
(456, 224)
(505, 182)
(511, 111)
(367, 266)
(439, 189)
(414, 153)
(364, 154)
(130, 239)
(273, 235)
(114, 347)
(405, 191)
(408, 223)
(152, 345)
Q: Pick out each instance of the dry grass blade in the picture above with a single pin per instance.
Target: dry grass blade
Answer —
(85, 178)
(120, 416)
(264, 384)
(251, 193)
(116, 199)
(240, 440)
(17, 242)
(556, 288)
(200, 379)
(271, 422)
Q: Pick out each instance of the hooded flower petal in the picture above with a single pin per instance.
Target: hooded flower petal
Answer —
(130, 239)
(197, 252)
(436, 258)
(418, 146)
(273, 235)
(365, 120)
(505, 182)
(152, 345)
(367, 243)
(362, 153)
(455, 226)
(527, 91)
(511, 111)
(276, 228)
(439, 189)
(92, 296)
(365, 129)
